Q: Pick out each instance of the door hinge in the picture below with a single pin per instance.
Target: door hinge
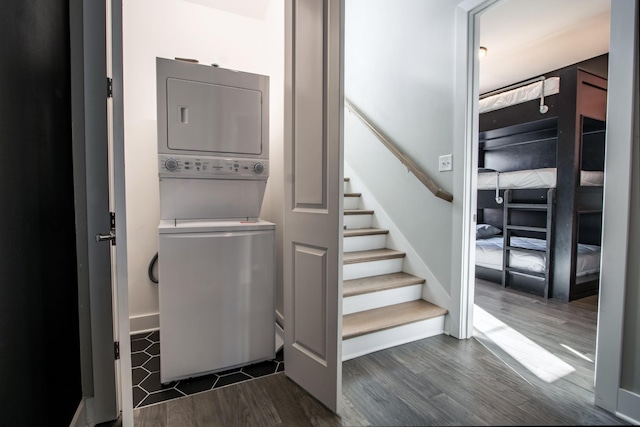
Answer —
(112, 225)
(109, 87)
(116, 350)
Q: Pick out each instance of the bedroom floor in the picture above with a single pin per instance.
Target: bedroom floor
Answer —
(436, 381)
(546, 342)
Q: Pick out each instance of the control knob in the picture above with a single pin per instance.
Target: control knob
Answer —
(171, 164)
(258, 167)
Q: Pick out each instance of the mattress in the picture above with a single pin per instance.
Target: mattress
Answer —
(520, 95)
(534, 178)
(489, 255)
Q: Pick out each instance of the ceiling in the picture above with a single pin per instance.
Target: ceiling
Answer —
(256, 9)
(526, 38)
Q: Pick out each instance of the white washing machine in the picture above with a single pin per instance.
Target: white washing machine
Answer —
(217, 296)
(216, 258)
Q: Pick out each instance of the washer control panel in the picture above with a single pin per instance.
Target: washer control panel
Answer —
(211, 167)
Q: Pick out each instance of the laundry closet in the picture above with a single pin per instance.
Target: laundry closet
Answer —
(181, 186)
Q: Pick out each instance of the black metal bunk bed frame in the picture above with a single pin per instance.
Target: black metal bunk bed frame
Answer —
(531, 140)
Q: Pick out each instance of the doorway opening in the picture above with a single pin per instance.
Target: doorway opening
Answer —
(537, 246)
(246, 36)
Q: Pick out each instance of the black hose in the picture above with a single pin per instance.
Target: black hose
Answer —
(150, 271)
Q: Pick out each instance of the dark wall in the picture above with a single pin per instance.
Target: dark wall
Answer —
(598, 65)
(39, 344)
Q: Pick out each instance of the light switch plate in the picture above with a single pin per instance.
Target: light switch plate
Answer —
(445, 163)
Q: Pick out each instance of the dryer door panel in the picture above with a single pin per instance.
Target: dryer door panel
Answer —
(213, 119)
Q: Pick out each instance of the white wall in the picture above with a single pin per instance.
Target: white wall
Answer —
(399, 71)
(240, 34)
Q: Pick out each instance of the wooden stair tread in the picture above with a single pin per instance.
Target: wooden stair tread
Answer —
(391, 316)
(346, 179)
(353, 232)
(352, 194)
(383, 282)
(358, 212)
(371, 255)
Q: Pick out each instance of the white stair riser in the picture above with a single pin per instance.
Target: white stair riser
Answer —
(364, 243)
(351, 202)
(379, 299)
(388, 338)
(357, 221)
(346, 187)
(371, 268)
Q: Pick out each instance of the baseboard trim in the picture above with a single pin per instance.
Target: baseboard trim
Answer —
(279, 337)
(628, 406)
(144, 323)
(80, 417)
(151, 322)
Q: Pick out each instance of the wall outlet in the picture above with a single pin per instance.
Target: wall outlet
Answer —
(445, 163)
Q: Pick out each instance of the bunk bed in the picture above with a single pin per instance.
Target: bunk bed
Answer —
(541, 163)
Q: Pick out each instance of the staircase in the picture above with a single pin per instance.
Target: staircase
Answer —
(382, 305)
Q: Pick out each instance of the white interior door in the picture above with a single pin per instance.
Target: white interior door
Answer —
(313, 197)
(91, 182)
(100, 209)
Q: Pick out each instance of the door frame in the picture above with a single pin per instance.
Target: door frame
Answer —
(620, 108)
(121, 309)
(466, 129)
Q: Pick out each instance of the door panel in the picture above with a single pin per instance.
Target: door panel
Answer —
(96, 194)
(310, 301)
(98, 153)
(313, 197)
(310, 151)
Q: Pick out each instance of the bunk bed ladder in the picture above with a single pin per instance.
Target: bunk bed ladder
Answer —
(509, 228)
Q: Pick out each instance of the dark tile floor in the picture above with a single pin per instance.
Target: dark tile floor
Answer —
(145, 364)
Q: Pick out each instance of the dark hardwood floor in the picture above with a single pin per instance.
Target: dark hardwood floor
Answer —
(438, 380)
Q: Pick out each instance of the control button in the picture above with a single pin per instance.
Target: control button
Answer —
(258, 167)
(171, 164)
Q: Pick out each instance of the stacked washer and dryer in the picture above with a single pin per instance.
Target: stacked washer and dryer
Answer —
(216, 257)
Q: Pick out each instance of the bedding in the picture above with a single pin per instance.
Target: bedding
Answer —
(484, 231)
(534, 178)
(519, 95)
(489, 255)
